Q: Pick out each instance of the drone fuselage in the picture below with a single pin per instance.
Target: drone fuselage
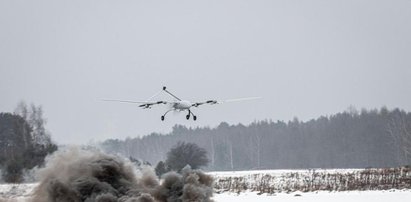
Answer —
(182, 105)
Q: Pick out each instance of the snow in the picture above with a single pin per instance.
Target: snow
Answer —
(275, 181)
(320, 196)
(22, 192)
(18, 192)
(353, 196)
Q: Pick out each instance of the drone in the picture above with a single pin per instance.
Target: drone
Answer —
(178, 104)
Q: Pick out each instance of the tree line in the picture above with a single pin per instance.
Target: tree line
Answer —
(350, 139)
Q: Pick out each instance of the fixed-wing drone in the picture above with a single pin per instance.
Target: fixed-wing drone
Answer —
(178, 104)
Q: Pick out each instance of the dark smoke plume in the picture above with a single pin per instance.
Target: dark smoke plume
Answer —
(77, 175)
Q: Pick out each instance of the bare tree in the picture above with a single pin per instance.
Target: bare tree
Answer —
(34, 117)
(255, 146)
(212, 152)
(22, 110)
(399, 129)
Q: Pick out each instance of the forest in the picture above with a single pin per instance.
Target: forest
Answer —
(354, 138)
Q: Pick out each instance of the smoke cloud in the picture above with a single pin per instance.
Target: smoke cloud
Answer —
(92, 176)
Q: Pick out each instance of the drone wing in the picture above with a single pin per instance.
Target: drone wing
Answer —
(212, 102)
(143, 105)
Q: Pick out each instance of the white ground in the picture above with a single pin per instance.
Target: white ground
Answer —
(21, 192)
(10, 192)
(16, 192)
(353, 196)
(363, 196)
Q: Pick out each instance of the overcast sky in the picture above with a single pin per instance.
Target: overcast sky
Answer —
(305, 58)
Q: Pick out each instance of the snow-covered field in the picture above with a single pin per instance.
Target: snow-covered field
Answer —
(280, 181)
(352, 196)
(10, 192)
(285, 181)
(22, 192)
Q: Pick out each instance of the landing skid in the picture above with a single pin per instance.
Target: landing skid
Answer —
(187, 116)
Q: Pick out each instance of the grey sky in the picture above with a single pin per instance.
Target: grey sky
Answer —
(306, 58)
